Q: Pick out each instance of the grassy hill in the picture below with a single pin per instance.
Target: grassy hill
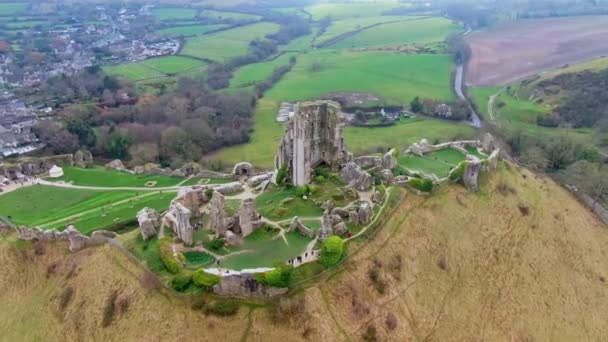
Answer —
(519, 261)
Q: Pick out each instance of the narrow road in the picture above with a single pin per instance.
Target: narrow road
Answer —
(458, 89)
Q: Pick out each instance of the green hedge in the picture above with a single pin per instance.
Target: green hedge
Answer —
(332, 250)
(422, 184)
(181, 281)
(166, 255)
(204, 279)
(278, 277)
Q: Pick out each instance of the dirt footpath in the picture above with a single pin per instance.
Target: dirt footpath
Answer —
(512, 51)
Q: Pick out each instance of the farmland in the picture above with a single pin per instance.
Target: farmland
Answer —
(189, 30)
(251, 74)
(174, 13)
(396, 78)
(133, 71)
(12, 8)
(415, 31)
(235, 16)
(340, 27)
(508, 52)
(352, 10)
(224, 45)
(154, 68)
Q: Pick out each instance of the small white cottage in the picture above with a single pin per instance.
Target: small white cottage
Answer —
(55, 172)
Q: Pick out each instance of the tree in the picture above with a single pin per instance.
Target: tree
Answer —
(534, 158)
(84, 132)
(176, 142)
(416, 105)
(117, 144)
(332, 251)
(143, 153)
(588, 177)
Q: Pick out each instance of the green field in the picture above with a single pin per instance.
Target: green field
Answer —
(439, 163)
(349, 10)
(266, 250)
(11, 8)
(101, 177)
(189, 30)
(251, 74)
(278, 203)
(516, 114)
(133, 71)
(227, 44)
(235, 16)
(339, 27)
(174, 13)
(395, 78)
(172, 64)
(422, 31)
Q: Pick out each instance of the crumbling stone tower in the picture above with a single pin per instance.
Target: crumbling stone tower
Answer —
(313, 136)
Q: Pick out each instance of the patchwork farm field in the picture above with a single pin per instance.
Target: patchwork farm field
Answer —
(154, 67)
(133, 71)
(189, 30)
(338, 11)
(236, 16)
(174, 13)
(340, 27)
(395, 78)
(252, 74)
(415, 31)
(508, 52)
(227, 44)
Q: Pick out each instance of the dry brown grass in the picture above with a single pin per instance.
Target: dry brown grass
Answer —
(508, 277)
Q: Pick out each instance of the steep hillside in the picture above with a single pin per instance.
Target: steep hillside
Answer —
(520, 261)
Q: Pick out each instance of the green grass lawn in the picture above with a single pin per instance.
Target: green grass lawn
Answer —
(99, 176)
(339, 27)
(423, 31)
(197, 259)
(11, 8)
(364, 140)
(236, 16)
(133, 71)
(349, 10)
(174, 13)
(189, 30)
(396, 78)
(428, 164)
(252, 74)
(39, 204)
(227, 44)
(266, 250)
(106, 217)
(274, 204)
(475, 152)
(172, 64)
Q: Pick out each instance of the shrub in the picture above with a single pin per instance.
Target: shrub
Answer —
(312, 189)
(181, 281)
(377, 180)
(331, 251)
(422, 184)
(222, 308)
(382, 189)
(216, 244)
(209, 193)
(204, 279)
(322, 171)
(457, 173)
(166, 255)
(282, 174)
(278, 277)
(319, 179)
(109, 309)
(301, 191)
(66, 297)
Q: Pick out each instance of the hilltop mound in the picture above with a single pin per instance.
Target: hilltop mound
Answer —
(521, 260)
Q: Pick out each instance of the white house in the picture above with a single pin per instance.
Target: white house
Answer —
(56, 172)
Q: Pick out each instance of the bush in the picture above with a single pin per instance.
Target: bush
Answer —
(331, 251)
(278, 277)
(382, 189)
(181, 281)
(282, 174)
(301, 191)
(422, 184)
(204, 279)
(215, 244)
(109, 309)
(457, 173)
(377, 180)
(222, 308)
(319, 179)
(166, 255)
(321, 171)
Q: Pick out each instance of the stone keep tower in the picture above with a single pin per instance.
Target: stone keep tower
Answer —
(313, 136)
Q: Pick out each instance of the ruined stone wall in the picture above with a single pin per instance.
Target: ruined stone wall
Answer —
(77, 240)
(245, 285)
(32, 166)
(313, 136)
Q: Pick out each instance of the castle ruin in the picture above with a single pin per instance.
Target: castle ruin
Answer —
(313, 137)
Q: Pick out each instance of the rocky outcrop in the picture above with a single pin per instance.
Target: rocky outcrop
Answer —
(232, 239)
(387, 176)
(218, 214)
(388, 160)
(193, 198)
(259, 179)
(248, 218)
(377, 197)
(326, 226)
(229, 188)
(77, 240)
(488, 143)
(149, 222)
(313, 136)
(368, 162)
(115, 164)
(365, 213)
(178, 218)
(83, 159)
(245, 285)
(34, 166)
(243, 169)
(356, 177)
(188, 169)
(297, 226)
(471, 173)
